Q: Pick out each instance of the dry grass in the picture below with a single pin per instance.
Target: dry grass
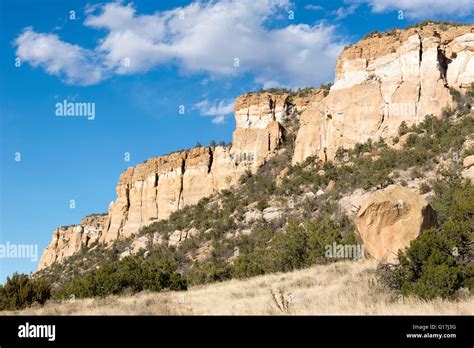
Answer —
(340, 288)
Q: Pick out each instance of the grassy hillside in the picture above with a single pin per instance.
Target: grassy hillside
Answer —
(340, 288)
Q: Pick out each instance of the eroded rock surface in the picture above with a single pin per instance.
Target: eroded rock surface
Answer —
(68, 240)
(390, 219)
(381, 82)
(152, 190)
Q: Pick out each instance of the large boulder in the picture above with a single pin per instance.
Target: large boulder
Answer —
(175, 238)
(468, 172)
(468, 161)
(143, 242)
(390, 219)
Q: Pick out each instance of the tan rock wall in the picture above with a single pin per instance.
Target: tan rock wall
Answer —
(152, 190)
(383, 81)
(68, 240)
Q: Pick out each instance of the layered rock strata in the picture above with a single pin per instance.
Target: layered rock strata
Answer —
(384, 80)
(152, 190)
(67, 240)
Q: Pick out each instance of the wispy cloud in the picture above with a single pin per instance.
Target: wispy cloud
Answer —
(217, 109)
(344, 11)
(218, 119)
(220, 38)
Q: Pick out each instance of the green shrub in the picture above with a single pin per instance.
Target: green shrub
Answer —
(302, 245)
(202, 273)
(403, 129)
(289, 251)
(428, 269)
(262, 204)
(130, 275)
(250, 265)
(177, 282)
(20, 292)
(424, 188)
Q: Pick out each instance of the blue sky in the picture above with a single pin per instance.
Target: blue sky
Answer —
(139, 62)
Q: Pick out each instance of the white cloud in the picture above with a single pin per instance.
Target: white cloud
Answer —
(208, 39)
(424, 9)
(218, 119)
(218, 109)
(134, 39)
(342, 12)
(71, 63)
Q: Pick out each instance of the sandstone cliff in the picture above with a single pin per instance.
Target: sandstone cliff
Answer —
(384, 80)
(67, 240)
(380, 82)
(154, 189)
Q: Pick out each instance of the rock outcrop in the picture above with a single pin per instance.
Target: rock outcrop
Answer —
(390, 219)
(468, 161)
(384, 80)
(68, 240)
(152, 190)
(468, 171)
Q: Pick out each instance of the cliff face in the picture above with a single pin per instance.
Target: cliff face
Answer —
(68, 240)
(380, 82)
(383, 81)
(154, 189)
